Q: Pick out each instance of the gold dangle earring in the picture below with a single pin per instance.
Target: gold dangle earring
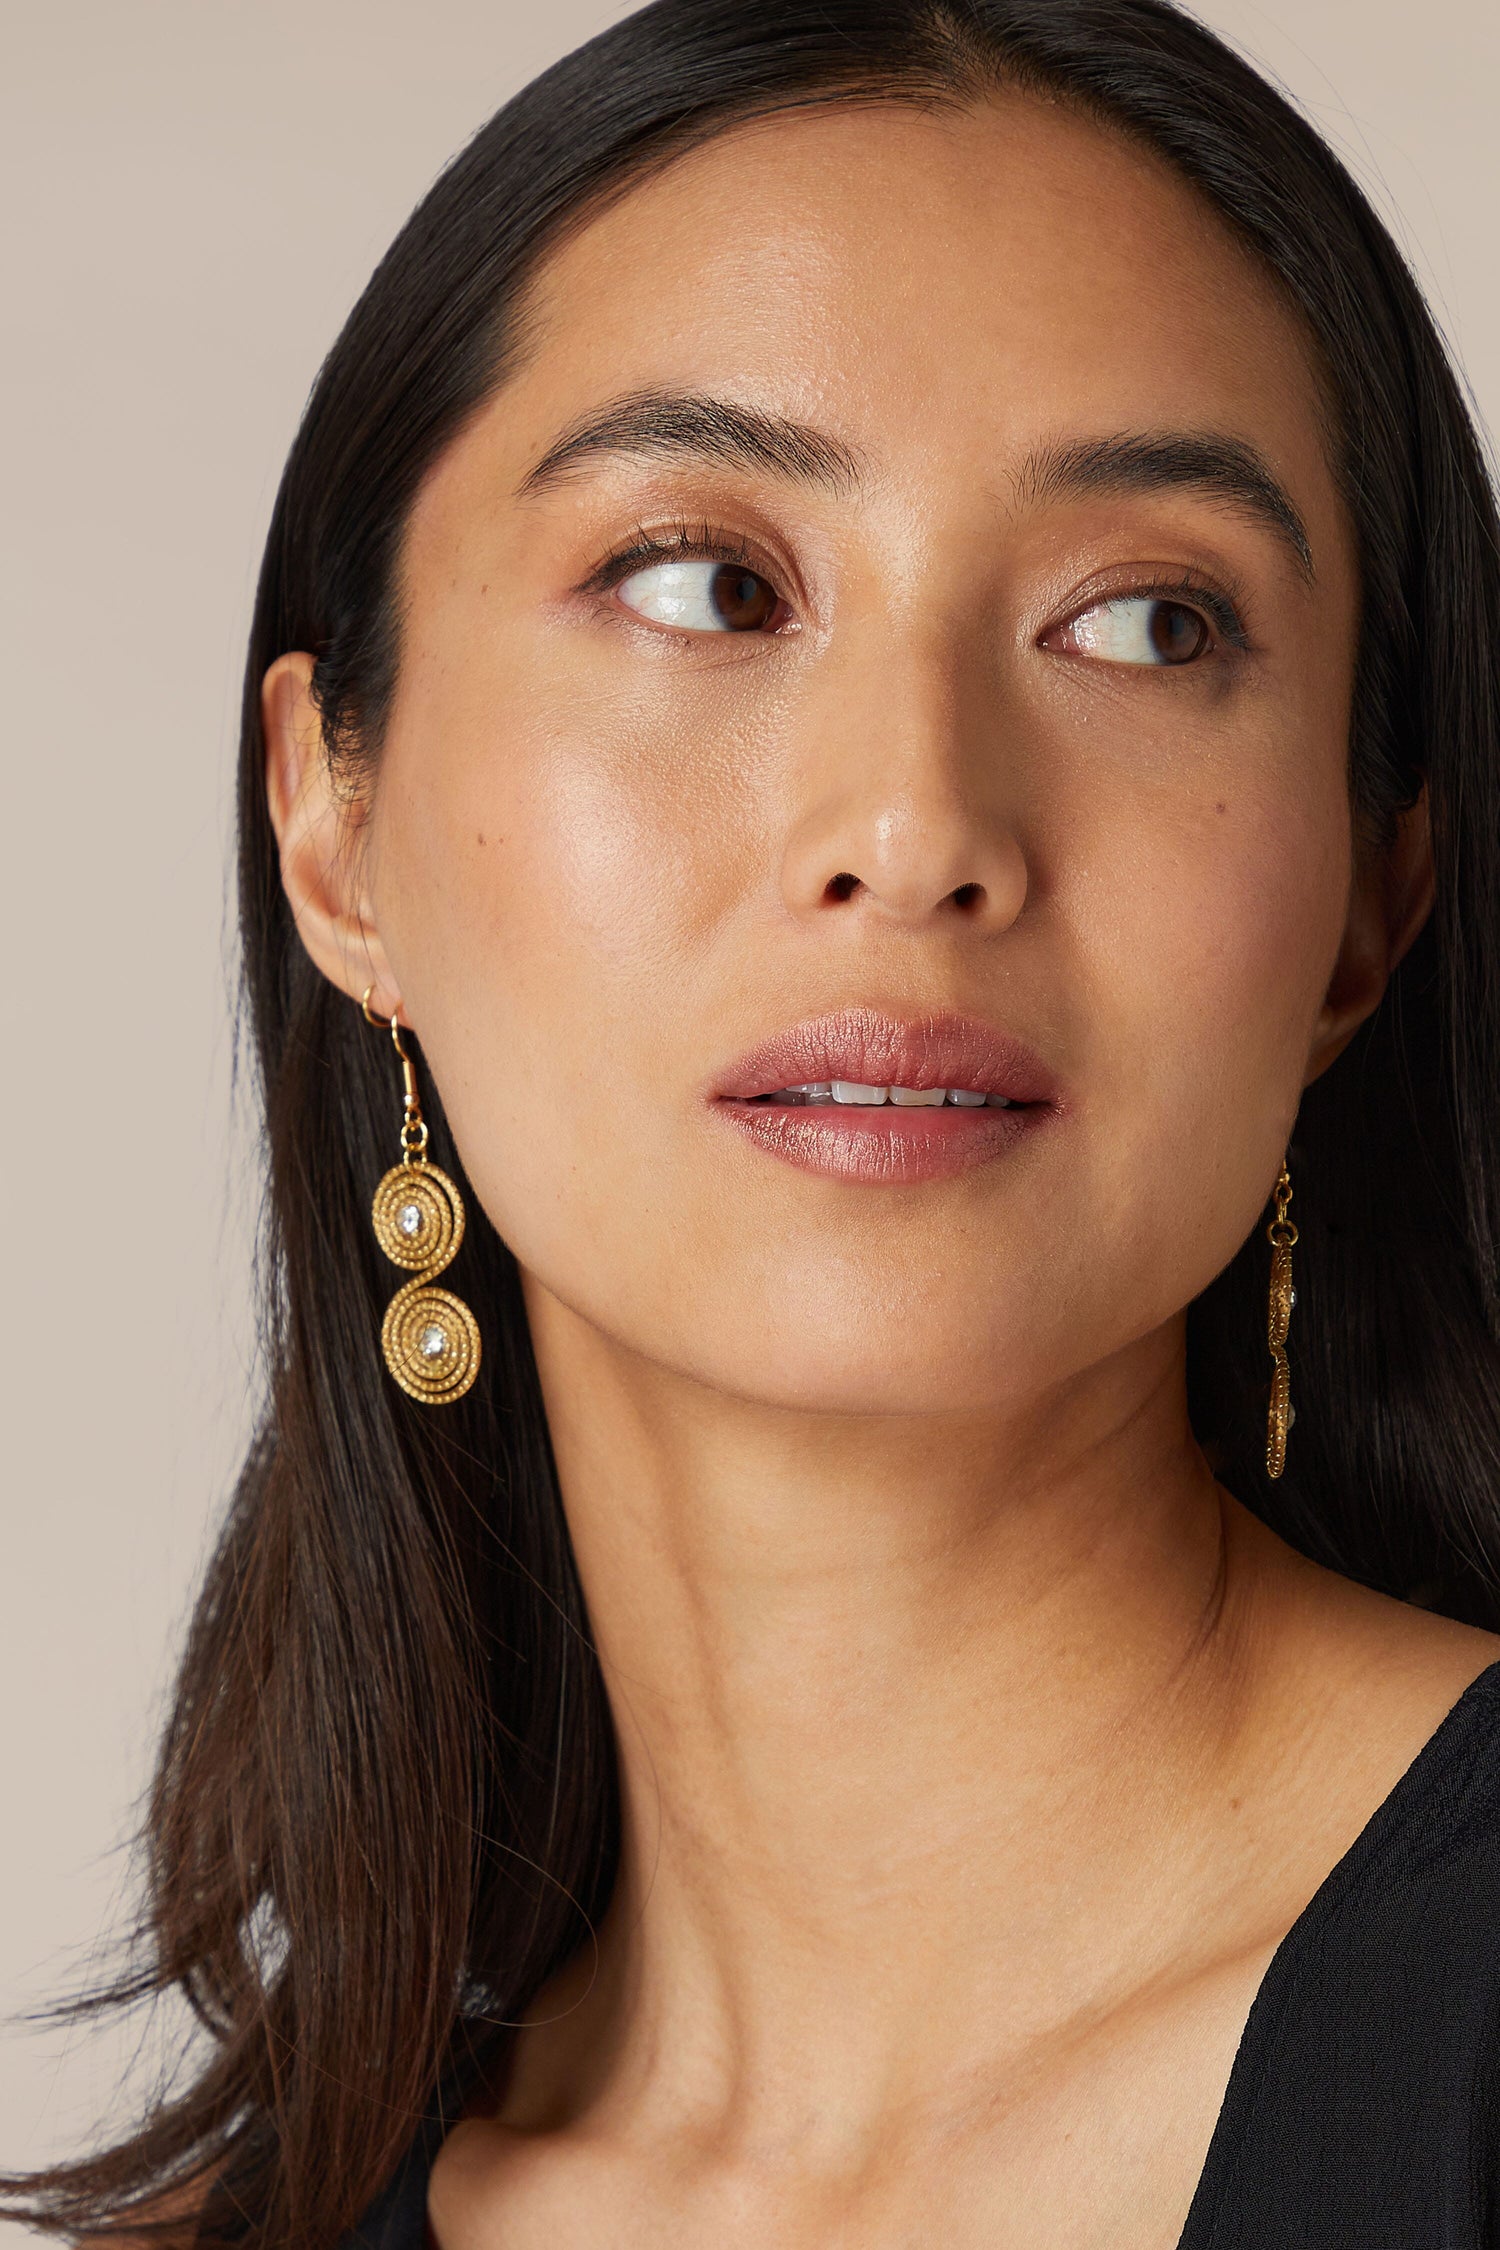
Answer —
(429, 1337)
(1281, 1234)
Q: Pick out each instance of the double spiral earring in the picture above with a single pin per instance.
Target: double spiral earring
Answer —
(1281, 1234)
(429, 1337)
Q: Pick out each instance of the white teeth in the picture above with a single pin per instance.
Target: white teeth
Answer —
(851, 1090)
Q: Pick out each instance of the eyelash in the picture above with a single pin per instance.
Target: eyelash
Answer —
(705, 542)
(702, 542)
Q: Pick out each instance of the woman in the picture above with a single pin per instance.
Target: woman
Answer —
(869, 745)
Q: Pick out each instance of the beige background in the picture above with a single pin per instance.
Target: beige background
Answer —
(195, 192)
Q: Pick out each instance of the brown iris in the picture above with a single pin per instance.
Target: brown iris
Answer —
(1176, 634)
(743, 601)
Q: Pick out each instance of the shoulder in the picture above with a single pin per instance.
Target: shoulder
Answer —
(1372, 2101)
(1389, 1671)
(1347, 1670)
(1388, 1722)
(1360, 1699)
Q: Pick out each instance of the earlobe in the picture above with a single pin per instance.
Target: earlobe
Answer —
(1390, 900)
(317, 829)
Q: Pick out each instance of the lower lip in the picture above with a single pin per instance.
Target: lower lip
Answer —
(885, 1144)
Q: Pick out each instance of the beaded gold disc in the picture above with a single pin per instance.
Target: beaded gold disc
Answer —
(431, 1343)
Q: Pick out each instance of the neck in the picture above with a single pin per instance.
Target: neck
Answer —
(883, 1688)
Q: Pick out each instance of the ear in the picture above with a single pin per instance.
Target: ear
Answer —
(319, 829)
(1390, 898)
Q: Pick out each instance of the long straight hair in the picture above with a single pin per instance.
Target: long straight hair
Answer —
(386, 1807)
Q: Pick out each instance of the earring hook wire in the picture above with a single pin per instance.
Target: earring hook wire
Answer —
(384, 1023)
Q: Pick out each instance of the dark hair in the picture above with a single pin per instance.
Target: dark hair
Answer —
(386, 1806)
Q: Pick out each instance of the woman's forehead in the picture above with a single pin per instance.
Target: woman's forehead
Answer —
(947, 281)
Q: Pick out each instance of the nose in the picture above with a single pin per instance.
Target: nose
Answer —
(904, 813)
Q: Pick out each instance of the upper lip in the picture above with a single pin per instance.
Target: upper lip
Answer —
(874, 1049)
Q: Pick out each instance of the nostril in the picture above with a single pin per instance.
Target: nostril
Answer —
(841, 886)
(968, 894)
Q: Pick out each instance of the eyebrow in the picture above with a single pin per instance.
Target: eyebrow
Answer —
(1225, 469)
(689, 425)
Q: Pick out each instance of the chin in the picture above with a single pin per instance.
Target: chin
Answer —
(903, 1365)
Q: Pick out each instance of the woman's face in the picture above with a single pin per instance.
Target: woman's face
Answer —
(996, 662)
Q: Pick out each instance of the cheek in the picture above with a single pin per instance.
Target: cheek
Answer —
(572, 819)
(1222, 933)
(551, 884)
(1209, 940)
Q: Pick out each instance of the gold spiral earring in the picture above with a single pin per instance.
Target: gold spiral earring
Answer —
(1281, 1234)
(429, 1337)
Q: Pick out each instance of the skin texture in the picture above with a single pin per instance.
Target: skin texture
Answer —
(977, 1748)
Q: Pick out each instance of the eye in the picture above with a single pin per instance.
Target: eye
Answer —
(1135, 629)
(701, 597)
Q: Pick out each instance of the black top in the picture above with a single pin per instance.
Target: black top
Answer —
(1363, 2108)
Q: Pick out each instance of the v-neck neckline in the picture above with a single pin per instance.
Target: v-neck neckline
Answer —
(1255, 2053)
(1277, 1989)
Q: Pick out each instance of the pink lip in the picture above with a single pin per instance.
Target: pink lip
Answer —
(884, 1142)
